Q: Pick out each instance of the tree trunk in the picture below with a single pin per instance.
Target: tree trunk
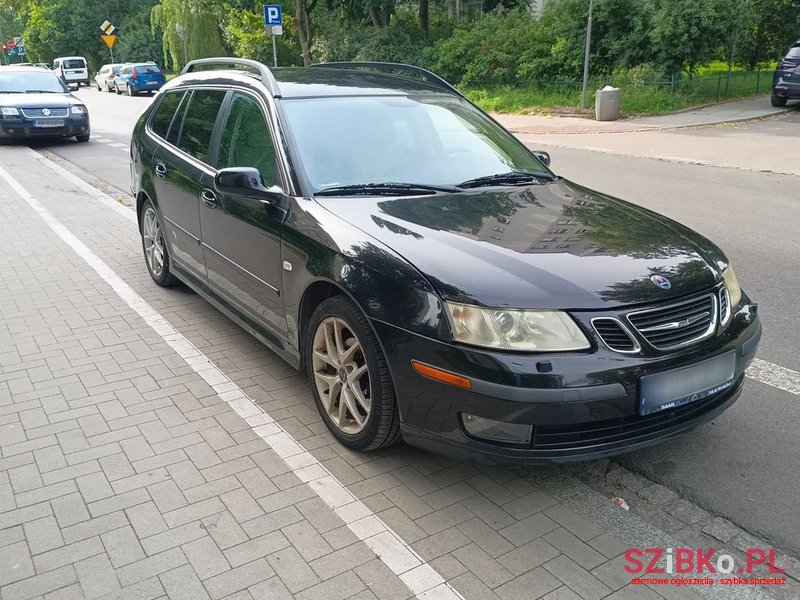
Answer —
(303, 30)
(423, 15)
(375, 17)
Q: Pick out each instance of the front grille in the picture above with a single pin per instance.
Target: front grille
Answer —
(724, 305)
(38, 113)
(609, 431)
(614, 335)
(677, 325)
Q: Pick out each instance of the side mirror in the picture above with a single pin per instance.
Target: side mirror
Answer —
(542, 156)
(245, 181)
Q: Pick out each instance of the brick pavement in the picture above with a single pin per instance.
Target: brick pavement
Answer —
(126, 474)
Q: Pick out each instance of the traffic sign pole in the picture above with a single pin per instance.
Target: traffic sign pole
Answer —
(273, 23)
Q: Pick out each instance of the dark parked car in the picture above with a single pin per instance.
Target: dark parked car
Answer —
(136, 78)
(786, 80)
(35, 102)
(431, 275)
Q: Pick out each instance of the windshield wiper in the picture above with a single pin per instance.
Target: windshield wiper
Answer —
(385, 189)
(510, 178)
(42, 92)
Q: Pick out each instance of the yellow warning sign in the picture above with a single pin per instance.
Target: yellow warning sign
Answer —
(109, 40)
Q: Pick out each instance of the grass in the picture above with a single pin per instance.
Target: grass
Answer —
(636, 98)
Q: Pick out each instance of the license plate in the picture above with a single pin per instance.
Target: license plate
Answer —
(152, 83)
(677, 387)
(49, 123)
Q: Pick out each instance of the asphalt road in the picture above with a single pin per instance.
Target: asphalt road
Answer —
(744, 465)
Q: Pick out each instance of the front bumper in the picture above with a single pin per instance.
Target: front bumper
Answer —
(23, 128)
(580, 405)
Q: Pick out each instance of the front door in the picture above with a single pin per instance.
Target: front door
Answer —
(241, 235)
(181, 171)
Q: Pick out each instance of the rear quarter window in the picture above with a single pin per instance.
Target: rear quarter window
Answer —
(164, 112)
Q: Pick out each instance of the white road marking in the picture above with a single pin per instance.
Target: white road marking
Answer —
(409, 566)
(118, 145)
(775, 376)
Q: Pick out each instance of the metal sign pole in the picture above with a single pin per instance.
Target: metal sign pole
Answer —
(112, 54)
(586, 56)
(274, 51)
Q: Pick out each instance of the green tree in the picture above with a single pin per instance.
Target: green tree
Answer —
(688, 33)
(189, 29)
(768, 29)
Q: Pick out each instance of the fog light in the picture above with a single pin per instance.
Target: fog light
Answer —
(498, 431)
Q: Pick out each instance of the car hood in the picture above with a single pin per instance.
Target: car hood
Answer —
(555, 245)
(38, 100)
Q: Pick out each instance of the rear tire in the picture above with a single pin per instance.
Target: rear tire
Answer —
(349, 377)
(129, 90)
(116, 88)
(778, 101)
(156, 255)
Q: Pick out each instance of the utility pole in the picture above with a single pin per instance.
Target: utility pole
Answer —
(5, 58)
(586, 56)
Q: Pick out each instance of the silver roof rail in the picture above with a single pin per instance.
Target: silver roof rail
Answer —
(267, 78)
(426, 75)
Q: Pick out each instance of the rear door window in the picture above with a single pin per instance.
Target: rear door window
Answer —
(246, 139)
(147, 69)
(164, 113)
(198, 124)
(74, 63)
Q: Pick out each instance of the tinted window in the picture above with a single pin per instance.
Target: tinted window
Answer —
(246, 140)
(74, 63)
(147, 69)
(199, 122)
(116, 69)
(30, 81)
(163, 115)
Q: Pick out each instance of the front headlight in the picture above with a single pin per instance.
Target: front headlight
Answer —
(732, 285)
(78, 109)
(530, 330)
(9, 111)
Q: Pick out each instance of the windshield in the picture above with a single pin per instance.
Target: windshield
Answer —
(432, 140)
(74, 63)
(30, 81)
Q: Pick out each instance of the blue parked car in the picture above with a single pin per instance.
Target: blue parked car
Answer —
(135, 78)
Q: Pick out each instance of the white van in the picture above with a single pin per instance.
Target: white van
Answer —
(72, 69)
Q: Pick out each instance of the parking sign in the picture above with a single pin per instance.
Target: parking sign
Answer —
(273, 14)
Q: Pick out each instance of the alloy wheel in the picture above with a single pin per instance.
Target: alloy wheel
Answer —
(153, 241)
(341, 375)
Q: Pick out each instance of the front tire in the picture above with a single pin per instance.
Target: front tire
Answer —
(778, 101)
(82, 138)
(156, 256)
(349, 377)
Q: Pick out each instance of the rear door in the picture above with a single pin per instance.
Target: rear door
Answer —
(242, 235)
(149, 77)
(75, 69)
(182, 171)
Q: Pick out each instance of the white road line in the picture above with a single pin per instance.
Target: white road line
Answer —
(118, 145)
(423, 581)
(774, 375)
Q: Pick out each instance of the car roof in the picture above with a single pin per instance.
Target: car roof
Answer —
(70, 58)
(26, 68)
(304, 82)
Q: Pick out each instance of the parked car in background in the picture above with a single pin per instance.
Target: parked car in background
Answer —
(37, 103)
(104, 80)
(135, 78)
(435, 279)
(786, 80)
(72, 69)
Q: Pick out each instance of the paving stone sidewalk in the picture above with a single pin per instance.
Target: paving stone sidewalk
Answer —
(124, 474)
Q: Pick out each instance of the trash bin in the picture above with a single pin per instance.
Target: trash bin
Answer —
(606, 104)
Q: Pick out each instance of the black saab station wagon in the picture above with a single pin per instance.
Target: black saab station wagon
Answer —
(433, 277)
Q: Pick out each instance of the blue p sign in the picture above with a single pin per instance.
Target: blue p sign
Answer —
(273, 14)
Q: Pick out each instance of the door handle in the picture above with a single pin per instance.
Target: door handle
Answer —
(161, 170)
(209, 198)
